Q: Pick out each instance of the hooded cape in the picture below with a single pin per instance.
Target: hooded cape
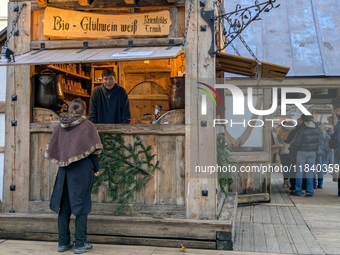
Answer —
(72, 140)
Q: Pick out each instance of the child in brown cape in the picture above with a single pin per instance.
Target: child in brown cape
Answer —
(74, 147)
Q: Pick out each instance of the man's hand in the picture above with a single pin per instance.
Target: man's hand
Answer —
(96, 174)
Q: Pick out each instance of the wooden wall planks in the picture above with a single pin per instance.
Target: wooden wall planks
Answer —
(166, 188)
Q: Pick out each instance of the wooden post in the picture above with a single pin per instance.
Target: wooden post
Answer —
(200, 141)
(17, 141)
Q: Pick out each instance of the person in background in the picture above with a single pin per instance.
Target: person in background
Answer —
(109, 103)
(292, 154)
(74, 147)
(318, 172)
(337, 161)
(327, 157)
(276, 138)
(283, 132)
(306, 143)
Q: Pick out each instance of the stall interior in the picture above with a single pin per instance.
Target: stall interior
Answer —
(154, 87)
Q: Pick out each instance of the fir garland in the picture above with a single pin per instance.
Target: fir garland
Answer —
(122, 163)
(224, 158)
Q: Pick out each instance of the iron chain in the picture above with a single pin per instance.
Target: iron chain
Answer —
(186, 35)
(257, 69)
(236, 51)
(182, 58)
(187, 24)
(15, 23)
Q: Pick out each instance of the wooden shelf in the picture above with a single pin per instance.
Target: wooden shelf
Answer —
(69, 73)
(157, 97)
(75, 93)
(103, 66)
(97, 82)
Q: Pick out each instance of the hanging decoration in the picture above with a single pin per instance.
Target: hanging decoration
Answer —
(239, 19)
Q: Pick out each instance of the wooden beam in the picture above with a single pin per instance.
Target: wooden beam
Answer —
(136, 210)
(321, 101)
(174, 22)
(17, 138)
(252, 198)
(130, 1)
(42, 3)
(117, 240)
(119, 226)
(104, 43)
(249, 157)
(84, 2)
(327, 82)
(172, 1)
(2, 107)
(142, 129)
(229, 208)
(199, 65)
(104, 4)
(2, 149)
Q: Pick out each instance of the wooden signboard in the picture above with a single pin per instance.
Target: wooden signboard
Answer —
(64, 24)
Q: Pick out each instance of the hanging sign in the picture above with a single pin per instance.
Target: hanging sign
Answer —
(64, 24)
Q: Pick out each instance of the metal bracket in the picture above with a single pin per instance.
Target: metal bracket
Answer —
(208, 16)
(16, 8)
(130, 45)
(85, 47)
(16, 32)
(42, 47)
(14, 97)
(171, 44)
(12, 211)
(202, 3)
(14, 123)
(204, 193)
(204, 123)
(12, 188)
(203, 28)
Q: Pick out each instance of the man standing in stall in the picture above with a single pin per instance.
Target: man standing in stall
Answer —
(109, 103)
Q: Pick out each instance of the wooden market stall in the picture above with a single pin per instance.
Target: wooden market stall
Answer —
(141, 41)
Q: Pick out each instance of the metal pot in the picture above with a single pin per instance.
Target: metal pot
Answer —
(48, 90)
(177, 93)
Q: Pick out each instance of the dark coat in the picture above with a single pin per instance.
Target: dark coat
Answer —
(307, 138)
(79, 177)
(109, 106)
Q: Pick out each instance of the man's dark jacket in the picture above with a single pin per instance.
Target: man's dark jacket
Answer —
(307, 138)
(109, 106)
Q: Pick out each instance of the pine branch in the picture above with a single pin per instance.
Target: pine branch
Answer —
(122, 163)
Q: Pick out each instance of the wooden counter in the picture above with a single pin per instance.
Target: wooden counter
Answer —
(166, 189)
(145, 129)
